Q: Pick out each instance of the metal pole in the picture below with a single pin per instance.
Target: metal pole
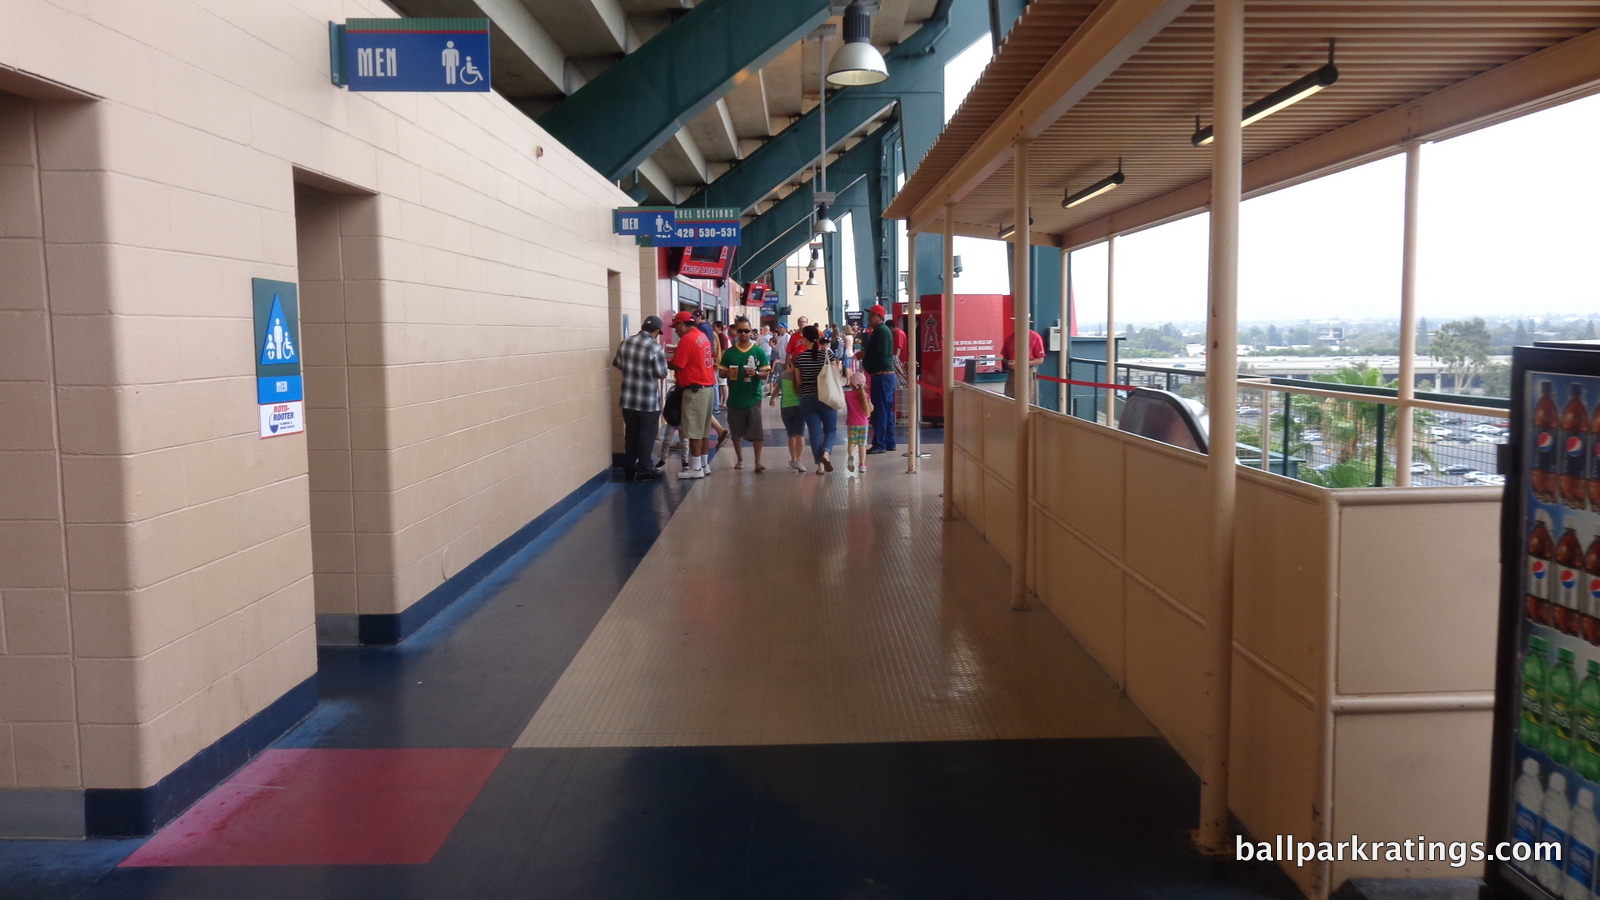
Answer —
(1111, 330)
(1064, 369)
(1022, 375)
(1383, 417)
(914, 389)
(1222, 390)
(1405, 436)
(948, 376)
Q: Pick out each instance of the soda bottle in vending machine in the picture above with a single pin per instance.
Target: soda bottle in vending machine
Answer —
(1546, 424)
(1594, 459)
(1538, 589)
(1591, 593)
(1569, 582)
(1560, 702)
(1573, 479)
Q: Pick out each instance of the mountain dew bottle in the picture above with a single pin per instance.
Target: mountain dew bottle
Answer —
(1588, 727)
(1535, 680)
(1561, 698)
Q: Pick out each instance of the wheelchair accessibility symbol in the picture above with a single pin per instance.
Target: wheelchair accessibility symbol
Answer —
(455, 70)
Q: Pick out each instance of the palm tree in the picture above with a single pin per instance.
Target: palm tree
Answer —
(1349, 430)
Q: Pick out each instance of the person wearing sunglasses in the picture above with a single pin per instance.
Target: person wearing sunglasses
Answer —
(746, 367)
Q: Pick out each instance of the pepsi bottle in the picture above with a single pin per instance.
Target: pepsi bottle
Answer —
(1573, 481)
(1570, 583)
(1591, 597)
(1546, 424)
(1537, 586)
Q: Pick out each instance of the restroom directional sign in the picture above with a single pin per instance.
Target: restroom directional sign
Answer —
(280, 392)
(438, 55)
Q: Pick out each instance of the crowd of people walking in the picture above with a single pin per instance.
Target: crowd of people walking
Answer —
(810, 375)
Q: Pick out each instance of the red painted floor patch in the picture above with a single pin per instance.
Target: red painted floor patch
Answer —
(327, 807)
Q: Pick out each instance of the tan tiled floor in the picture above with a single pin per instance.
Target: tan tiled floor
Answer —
(788, 609)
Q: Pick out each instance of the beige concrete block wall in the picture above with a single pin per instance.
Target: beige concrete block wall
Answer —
(474, 339)
(38, 697)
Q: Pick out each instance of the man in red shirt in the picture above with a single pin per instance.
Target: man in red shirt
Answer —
(694, 366)
(1008, 356)
(797, 342)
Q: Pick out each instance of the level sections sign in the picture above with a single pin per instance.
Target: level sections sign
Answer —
(418, 55)
(666, 226)
(280, 392)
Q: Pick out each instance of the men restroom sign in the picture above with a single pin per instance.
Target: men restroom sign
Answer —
(280, 393)
(420, 55)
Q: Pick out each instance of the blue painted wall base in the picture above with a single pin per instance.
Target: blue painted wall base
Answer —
(392, 628)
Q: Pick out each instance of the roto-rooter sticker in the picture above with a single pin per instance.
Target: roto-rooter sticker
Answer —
(279, 419)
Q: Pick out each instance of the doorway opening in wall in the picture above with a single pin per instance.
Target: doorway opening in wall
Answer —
(336, 254)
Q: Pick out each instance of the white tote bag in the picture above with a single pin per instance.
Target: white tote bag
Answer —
(829, 390)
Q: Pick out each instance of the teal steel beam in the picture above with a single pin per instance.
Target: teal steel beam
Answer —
(916, 83)
(782, 229)
(618, 120)
(833, 274)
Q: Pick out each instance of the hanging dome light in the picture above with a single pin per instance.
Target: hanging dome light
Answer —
(857, 62)
(824, 224)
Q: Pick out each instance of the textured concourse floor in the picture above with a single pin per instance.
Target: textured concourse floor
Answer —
(752, 687)
(793, 609)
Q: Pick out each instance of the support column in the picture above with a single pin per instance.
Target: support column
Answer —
(948, 376)
(1404, 435)
(1222, 395)
(914, 389)
(1022, 375)
(1111, 330)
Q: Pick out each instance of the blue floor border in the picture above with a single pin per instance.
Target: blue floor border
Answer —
(135, 812)
(383, 629)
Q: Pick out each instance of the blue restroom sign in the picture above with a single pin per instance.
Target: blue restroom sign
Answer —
(280, 391)
(417, 55)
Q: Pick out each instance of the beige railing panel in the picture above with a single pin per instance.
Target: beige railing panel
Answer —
(999, 436)
(1078, 477)
(1084, 590)
(1166, 655)
(1408, 774)
(1166, 509)
(1275, 759)
(1419, 587)
(1282, 579)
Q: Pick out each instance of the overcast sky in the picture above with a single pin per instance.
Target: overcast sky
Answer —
(1510, 225)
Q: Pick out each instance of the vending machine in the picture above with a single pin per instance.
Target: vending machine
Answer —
(1545, 776)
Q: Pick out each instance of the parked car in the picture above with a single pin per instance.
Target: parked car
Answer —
(1498, 437)
(1438, 432)
(1449, 420)
(1486, 478)
(1421, 468)
(1485, 428)
(1312, 435)
(1458, 470)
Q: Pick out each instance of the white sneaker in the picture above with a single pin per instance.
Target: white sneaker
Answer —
(799, 466)
(692, 473)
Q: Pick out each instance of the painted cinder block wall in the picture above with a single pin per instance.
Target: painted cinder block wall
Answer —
(156, 556)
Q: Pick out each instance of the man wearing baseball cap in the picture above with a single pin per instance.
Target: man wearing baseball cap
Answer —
(878, 361)
(696, 371)
(643, 364)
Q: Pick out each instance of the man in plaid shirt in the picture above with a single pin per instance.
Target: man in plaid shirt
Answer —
(643, 364)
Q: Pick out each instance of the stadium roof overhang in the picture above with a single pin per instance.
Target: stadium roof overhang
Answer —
(1092, 83)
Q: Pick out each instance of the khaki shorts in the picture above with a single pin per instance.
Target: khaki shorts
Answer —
(746, 424)
(696, 420)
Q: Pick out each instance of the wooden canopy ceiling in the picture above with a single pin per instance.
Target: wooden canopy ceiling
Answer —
(1090, 83)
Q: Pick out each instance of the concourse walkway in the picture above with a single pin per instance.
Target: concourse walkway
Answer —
(766, 685)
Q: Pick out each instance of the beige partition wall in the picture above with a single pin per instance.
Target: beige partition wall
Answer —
(1363, 635)
(163, 564)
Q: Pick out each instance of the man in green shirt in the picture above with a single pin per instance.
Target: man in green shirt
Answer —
(878, 361)
(746, 367)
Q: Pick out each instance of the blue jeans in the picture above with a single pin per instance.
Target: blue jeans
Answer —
(822, 423)
(883, 386)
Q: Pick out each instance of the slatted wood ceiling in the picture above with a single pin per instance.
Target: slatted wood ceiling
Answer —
(1388, 53)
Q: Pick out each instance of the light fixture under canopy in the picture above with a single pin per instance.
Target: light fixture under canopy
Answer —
(1286, 96)
(1105, 184)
